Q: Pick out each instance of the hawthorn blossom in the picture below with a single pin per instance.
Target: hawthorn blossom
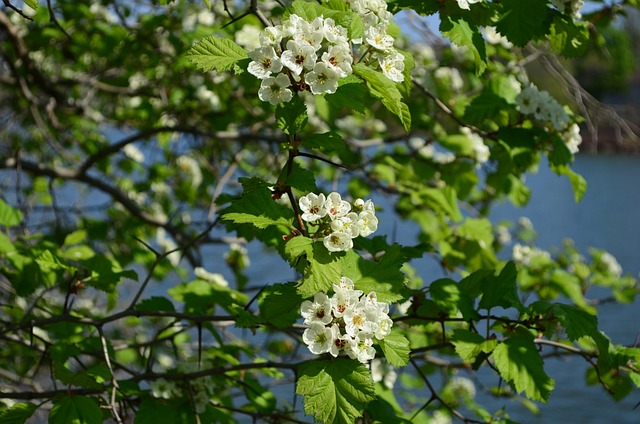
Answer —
(392, 65)
(323, 79)
(464, 4)
(312, 206)
(318, 310)
(336, 206)
(264, 62)
(338, 242)
(275, 90)
(378, 38)
(298, 57)
(318, 338)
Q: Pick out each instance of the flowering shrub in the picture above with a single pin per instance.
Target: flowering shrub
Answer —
(346, 322)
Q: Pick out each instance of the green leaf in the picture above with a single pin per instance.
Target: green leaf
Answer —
(214, 53)
(154, 411)
(18, 413)
(280, 305)
(502, 290)
(155, 303)
(262, 398)
(322, 269)
(384, 277)
(569, 38)
(449, 297)
(519, 363)
(291, 117)
(257, 207)
(32, 4)
(486, 105)
(578, 183)
(386, 91)
(299, 178)
(462, 34)
(396, 348)
(524, 20)
(9, 216)
(75, 410)
(328, 142)
(335, 391)
(351, 94)
(469, 344)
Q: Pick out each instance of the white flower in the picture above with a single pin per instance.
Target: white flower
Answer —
(270, 36)
(383, 372)
(312, 206)
(133, 153)
(480, 150)
(572, 138)
(318, 338)
(163, 389)
(611, 264)
(464, 4)
(361, 348)
(377, 37)
(340, 58)
(361, 318)
(298, 56)
(275, 90)
(384, 327)
(338, 242)
(492, 36)
(334, 33)
(347, 224)
(323, 79)
(335, 206)
(528, 101)
(248, 37)
(392, 65)
(462, 386)
(317, 311)
(338, 341)
(211, 277)
(367, 223)
(190, 168)
(264, 62)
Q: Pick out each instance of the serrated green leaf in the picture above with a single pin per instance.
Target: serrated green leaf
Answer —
(9, 216)
(524, 20)
(384, 277)
(291, 117)
(519, 363)
(569, 38)
(448, 295)
(75, 410)
(323, 269)
(335, 391)
(396, 348)
(299, 178)
(486, 105)
(386, 91)
(280, 305)
(155, 303)
(460, 33)
(502, 290)
(469, 344)
(298, 246)
(214, 53)
(351, 94)
(328, 142)
(257, 207)
(18, 413)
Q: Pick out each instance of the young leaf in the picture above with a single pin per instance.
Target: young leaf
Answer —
(257, 207)
(386, 91)
(469, 344)
(502, 290)
(214, 53)
(18, 413)
(155, 303)
(9, 216)
(578, 183)
(461, 34)
(524, 20)
(281, 305)
(519, 363)
(32, 4)
(396, 348)
(335, 391)
(291, 117)
(75, 409)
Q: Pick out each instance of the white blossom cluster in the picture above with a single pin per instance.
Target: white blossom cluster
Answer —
(346, 322)
(337, 221)
(317, 54)
(314, 55)
(524, 254)
(376, 19)
(542, 106)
